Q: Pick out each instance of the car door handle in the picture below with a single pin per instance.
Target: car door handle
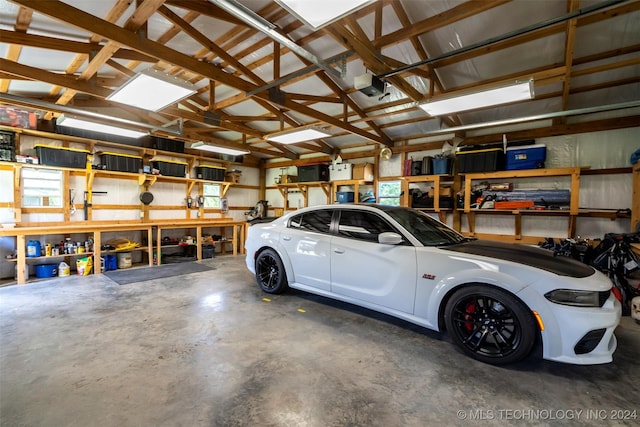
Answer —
(338, 250)
(286, 238)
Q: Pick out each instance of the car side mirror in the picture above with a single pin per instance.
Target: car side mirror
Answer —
(389, 238)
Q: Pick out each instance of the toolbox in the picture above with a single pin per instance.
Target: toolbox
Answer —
(61, 156)
(170, 168)
(210, 173)
(526, 157)
(120, 162)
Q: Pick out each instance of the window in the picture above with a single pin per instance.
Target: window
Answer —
(362, 225)
(389, 193)
(212, 196)
(318, 221)
(41, 188)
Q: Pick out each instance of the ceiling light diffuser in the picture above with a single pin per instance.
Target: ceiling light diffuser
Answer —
(519, 91)
(203, 146)
(98, 127)
(297, 135)
(152, 90)
(316, 14)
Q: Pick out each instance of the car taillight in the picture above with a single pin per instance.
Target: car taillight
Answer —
(616, 293)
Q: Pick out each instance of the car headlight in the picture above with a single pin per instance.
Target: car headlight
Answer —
(578, 298)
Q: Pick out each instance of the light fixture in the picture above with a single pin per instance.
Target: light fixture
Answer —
(98, 127)
(201, 145)
(317, 14)
(519, 91)
(152, 90)
(301, 134)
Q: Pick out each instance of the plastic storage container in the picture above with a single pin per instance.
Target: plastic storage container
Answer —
(7, 146)
(120, 162)
(526, 157)
(482, 160)
(345, 196)
(46, 270)
(315, 172)
(168, 145)
(169, 168)
(61, 156)
(210, 173)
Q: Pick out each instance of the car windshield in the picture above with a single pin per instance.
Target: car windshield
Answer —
(426, 229)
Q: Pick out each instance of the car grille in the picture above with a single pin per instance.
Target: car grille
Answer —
(589, 341)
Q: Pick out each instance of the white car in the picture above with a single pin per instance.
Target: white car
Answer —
(494, 299)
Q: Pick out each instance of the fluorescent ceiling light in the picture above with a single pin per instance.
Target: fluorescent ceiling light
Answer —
(200, 145)
(318, 13)
(98, 127)
(297, 135)
(519, 91)
(152, 90)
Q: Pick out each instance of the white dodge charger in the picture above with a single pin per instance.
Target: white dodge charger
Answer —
(494, 299)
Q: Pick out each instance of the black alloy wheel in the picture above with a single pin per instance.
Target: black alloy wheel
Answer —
(270, 272)
(490, 325)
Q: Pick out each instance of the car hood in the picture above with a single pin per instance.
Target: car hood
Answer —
(527, 255)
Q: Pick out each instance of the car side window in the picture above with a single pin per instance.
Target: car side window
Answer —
(362, 225)
(318, 221)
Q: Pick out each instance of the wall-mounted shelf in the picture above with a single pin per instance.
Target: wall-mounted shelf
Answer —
(303, 188)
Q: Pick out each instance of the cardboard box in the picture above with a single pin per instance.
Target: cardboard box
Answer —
(363, 171)
(445, 191)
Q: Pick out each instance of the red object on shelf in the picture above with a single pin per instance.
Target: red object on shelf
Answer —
(519, 204)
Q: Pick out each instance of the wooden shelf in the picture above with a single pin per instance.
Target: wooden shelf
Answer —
(572, 213)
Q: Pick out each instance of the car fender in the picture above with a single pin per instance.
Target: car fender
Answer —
(446, 286)
(286, 261)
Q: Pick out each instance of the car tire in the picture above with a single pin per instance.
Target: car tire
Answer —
(490, 325)
(270, 273)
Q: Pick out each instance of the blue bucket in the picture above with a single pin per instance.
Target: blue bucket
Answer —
(441, 165)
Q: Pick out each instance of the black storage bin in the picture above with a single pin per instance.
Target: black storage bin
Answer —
(61, 156)
(424, 201)
(7, 146)
(210, 173)
(483, 160)
(315, 172)
(169, 168)
(166, 144)
(120, 162)
(208, 251)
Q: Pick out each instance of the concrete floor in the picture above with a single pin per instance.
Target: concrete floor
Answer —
(205, 349)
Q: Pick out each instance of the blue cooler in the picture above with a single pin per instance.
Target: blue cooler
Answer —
(526, 157)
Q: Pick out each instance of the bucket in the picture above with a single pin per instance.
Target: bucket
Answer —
(33, 248)
(124, 260)
(441, 165)
(46, 270)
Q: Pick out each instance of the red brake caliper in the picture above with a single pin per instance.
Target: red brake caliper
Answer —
(470, 309)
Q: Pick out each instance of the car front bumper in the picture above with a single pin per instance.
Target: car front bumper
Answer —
(577, 335)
